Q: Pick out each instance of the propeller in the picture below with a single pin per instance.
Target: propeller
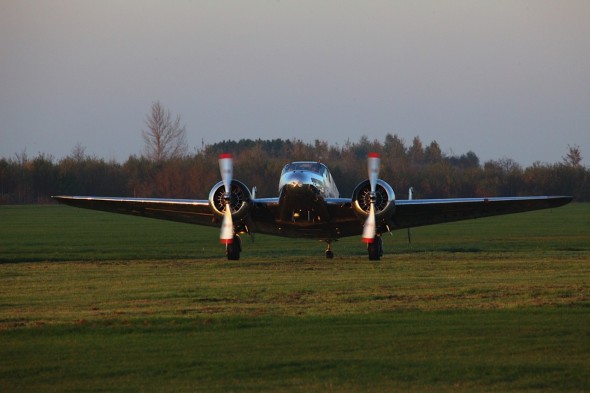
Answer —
(369, 231)
(227, 226)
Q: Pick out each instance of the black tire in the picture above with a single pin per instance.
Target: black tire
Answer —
(375, 249)
(234, 248)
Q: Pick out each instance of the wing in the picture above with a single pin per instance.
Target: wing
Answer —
(182, 210)
(343, 222)
(190, 211)
(419, 212)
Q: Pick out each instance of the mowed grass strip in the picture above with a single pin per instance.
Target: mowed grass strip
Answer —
(468, 350)
(506, 310)
(62, 293)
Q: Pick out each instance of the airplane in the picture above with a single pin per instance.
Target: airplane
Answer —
(309, 206)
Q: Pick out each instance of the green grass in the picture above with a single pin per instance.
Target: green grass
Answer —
(454, 350)
(92, 301)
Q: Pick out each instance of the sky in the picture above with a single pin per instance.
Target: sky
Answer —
(504, 79)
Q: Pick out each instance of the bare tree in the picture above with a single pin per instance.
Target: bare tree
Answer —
(78, 152)
(573, 157)
(164, 138)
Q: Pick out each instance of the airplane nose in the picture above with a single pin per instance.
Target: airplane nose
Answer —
(295, 179)
(298, 184)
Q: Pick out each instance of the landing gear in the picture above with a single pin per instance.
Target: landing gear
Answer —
(375, 249)
(329, 253)
(233, 249)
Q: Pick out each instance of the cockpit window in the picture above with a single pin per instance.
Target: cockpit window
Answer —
(304, 166)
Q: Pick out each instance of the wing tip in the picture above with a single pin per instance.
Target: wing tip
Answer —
(562, 200)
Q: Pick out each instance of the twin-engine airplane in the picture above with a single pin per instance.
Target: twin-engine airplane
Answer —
(309, 206)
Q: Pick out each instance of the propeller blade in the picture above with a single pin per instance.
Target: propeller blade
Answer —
(373, 164)
(226, 164)
(227, 226)
(370, 230)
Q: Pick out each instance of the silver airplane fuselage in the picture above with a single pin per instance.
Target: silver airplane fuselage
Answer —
(303, 188)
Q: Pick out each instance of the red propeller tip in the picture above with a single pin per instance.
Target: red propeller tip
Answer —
(373, 155)
(226, 241)
(368, 239)
(225, 155)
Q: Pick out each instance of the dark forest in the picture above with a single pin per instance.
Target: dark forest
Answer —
(431, 173)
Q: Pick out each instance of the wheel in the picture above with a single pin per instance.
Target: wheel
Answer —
(233, 249)
(329, 253)
(375, 249)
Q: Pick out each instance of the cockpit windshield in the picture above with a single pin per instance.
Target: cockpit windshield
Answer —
(304, 166)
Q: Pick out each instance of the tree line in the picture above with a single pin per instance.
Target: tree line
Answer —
(431, 173)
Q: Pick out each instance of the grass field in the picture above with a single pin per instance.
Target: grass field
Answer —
(92, 301)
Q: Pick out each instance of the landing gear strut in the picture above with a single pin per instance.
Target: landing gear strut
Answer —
(233, 249)
(329, 253)
(375, 249)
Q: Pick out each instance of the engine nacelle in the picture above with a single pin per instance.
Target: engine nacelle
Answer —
(384, 202)
(240, 199)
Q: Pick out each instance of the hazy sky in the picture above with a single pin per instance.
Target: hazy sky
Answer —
(502, 78)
